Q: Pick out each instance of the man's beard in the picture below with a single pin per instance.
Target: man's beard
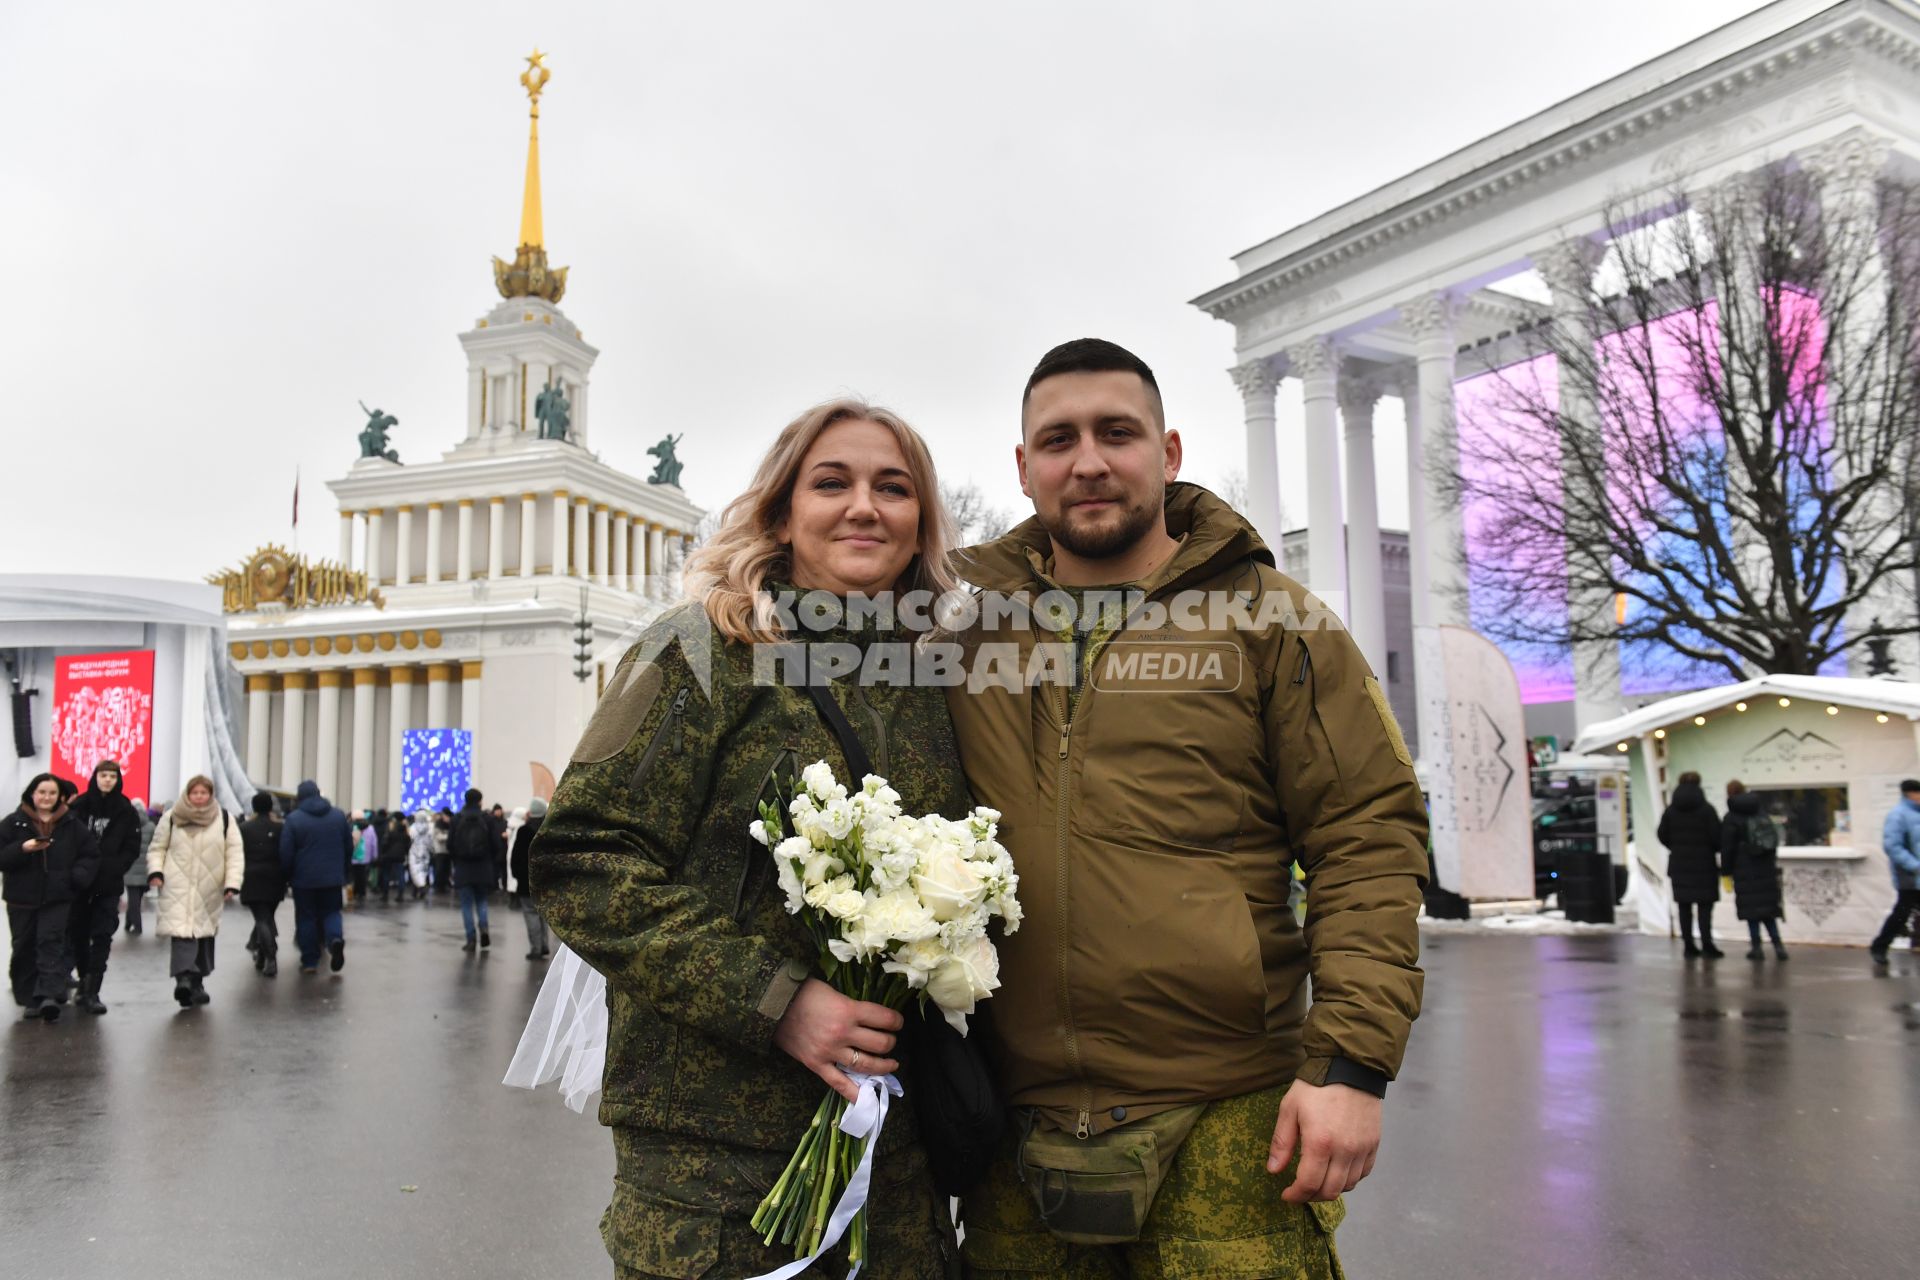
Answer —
(1106, 542)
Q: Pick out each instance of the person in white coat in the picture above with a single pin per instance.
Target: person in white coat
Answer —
(197, 862)
(420, 851)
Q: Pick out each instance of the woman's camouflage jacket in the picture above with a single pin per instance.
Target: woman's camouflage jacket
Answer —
(644, 867)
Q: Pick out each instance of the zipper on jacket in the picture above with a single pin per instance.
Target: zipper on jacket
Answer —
(673, 721)
(1083, 1125)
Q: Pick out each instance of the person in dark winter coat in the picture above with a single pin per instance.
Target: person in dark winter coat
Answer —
(394, 844)
(1749, 852)
(1690, 830)
(471, 841)
(48, 858)
(94, 916)
(315, 843)
(265, 883)
(517, 863)
(497, 824)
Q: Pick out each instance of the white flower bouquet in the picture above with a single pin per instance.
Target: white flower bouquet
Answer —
(898, 909)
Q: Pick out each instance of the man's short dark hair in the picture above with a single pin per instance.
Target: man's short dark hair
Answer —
(262, 802)
(473, 795)
(1093, 355)
(1909, 785)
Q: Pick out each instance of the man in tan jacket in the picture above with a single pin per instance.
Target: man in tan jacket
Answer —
(1173, 726)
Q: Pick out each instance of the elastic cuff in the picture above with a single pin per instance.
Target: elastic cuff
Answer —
(1339, 1070)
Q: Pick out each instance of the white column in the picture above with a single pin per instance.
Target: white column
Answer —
(529, 526)
(1436, 535)
(438, 673)
(656, 557)
(476, 400)
(259, 728)
(1568, 268)
(434, 521)
(562, 521)
(293, 729)
(1849, 170)
(365, 683)
(346, 539)
(582, 540)
(1317, 365)
(1258, 382)
(376, 548)
(600, 549)
(622, 542)
(1366, 586)
(326, 764)
(403, 547)
(637, 554)
(400, 717)
(463, 561)
(470, 707)
(496, 537)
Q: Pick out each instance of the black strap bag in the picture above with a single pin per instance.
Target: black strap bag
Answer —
(945, 1073)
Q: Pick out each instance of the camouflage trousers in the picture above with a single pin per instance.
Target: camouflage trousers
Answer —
(1218, 1214)
(682, 1209)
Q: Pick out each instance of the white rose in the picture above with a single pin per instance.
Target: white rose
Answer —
(948, 884)
(970, 974)
(758, 830)
(846, 904)
(916, 960)
(818, 868)
(817, 896)
(901, 917)
(790, 885)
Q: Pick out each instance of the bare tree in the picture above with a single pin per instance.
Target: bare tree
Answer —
(976, 519)
(1232, 489)
(1716, 464)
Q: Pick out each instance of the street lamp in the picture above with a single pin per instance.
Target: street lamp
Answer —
(583, 642)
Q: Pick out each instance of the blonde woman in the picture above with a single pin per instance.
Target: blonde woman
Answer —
(718, 1035)
(197, 863)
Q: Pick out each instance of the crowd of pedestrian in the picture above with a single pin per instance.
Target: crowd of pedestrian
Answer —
(71, 857)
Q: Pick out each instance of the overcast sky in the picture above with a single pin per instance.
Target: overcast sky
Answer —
(224, 224)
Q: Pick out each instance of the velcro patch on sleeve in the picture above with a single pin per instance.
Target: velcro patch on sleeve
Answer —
(1387, 721)
(623, 707)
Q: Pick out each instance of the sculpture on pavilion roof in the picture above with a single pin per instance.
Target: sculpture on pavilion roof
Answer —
(554, 412)
(668, 469)
(528, 275)
(373, 436)
(276, 577)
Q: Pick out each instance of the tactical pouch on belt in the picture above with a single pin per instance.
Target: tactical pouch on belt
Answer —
(1098, 1190)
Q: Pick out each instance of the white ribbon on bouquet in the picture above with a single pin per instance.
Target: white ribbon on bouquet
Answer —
(864, 1119)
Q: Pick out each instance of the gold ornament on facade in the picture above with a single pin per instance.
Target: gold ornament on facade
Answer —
(238, 649)
(386, 641)
(431, 639)
(281, 648)
(275, 576)
(363, 642)
(409, 639)
(302, 646)
(323, 645)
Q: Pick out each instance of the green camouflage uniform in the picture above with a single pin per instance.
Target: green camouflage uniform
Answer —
(644, 866)
(1219, 1213)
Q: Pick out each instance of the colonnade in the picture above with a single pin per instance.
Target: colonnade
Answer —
(351, 783)
(585, 539)
(1338, 397)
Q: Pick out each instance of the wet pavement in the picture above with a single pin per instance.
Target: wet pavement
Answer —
(1572, 1107)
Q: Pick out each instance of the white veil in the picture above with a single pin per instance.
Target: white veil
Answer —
(566, 1035)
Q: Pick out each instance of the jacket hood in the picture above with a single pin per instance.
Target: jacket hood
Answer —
(308, 790)
(536, 808)
(1689, 796)
(1212, 535)
(312, 801)
(1746, 804)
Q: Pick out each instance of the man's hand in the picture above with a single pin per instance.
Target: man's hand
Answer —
(824, 1031)
(155, 880)
(1337, 1130)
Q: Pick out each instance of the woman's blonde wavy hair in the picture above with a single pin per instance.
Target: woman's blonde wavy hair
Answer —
(728, 575)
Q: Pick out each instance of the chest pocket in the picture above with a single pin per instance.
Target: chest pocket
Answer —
(777, 781)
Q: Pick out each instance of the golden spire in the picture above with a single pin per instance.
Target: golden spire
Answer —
(534, 78)
(528, 275)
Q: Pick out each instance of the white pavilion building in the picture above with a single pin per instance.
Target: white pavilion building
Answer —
(461, 583)
(1431, 279)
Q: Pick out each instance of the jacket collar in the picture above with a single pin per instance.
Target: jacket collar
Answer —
(1212, 536)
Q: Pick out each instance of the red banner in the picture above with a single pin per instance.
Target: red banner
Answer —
(103, 710)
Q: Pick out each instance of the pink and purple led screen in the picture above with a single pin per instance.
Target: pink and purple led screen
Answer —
(1501, 435)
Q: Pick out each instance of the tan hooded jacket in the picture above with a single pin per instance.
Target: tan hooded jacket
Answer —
(1154, 816)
